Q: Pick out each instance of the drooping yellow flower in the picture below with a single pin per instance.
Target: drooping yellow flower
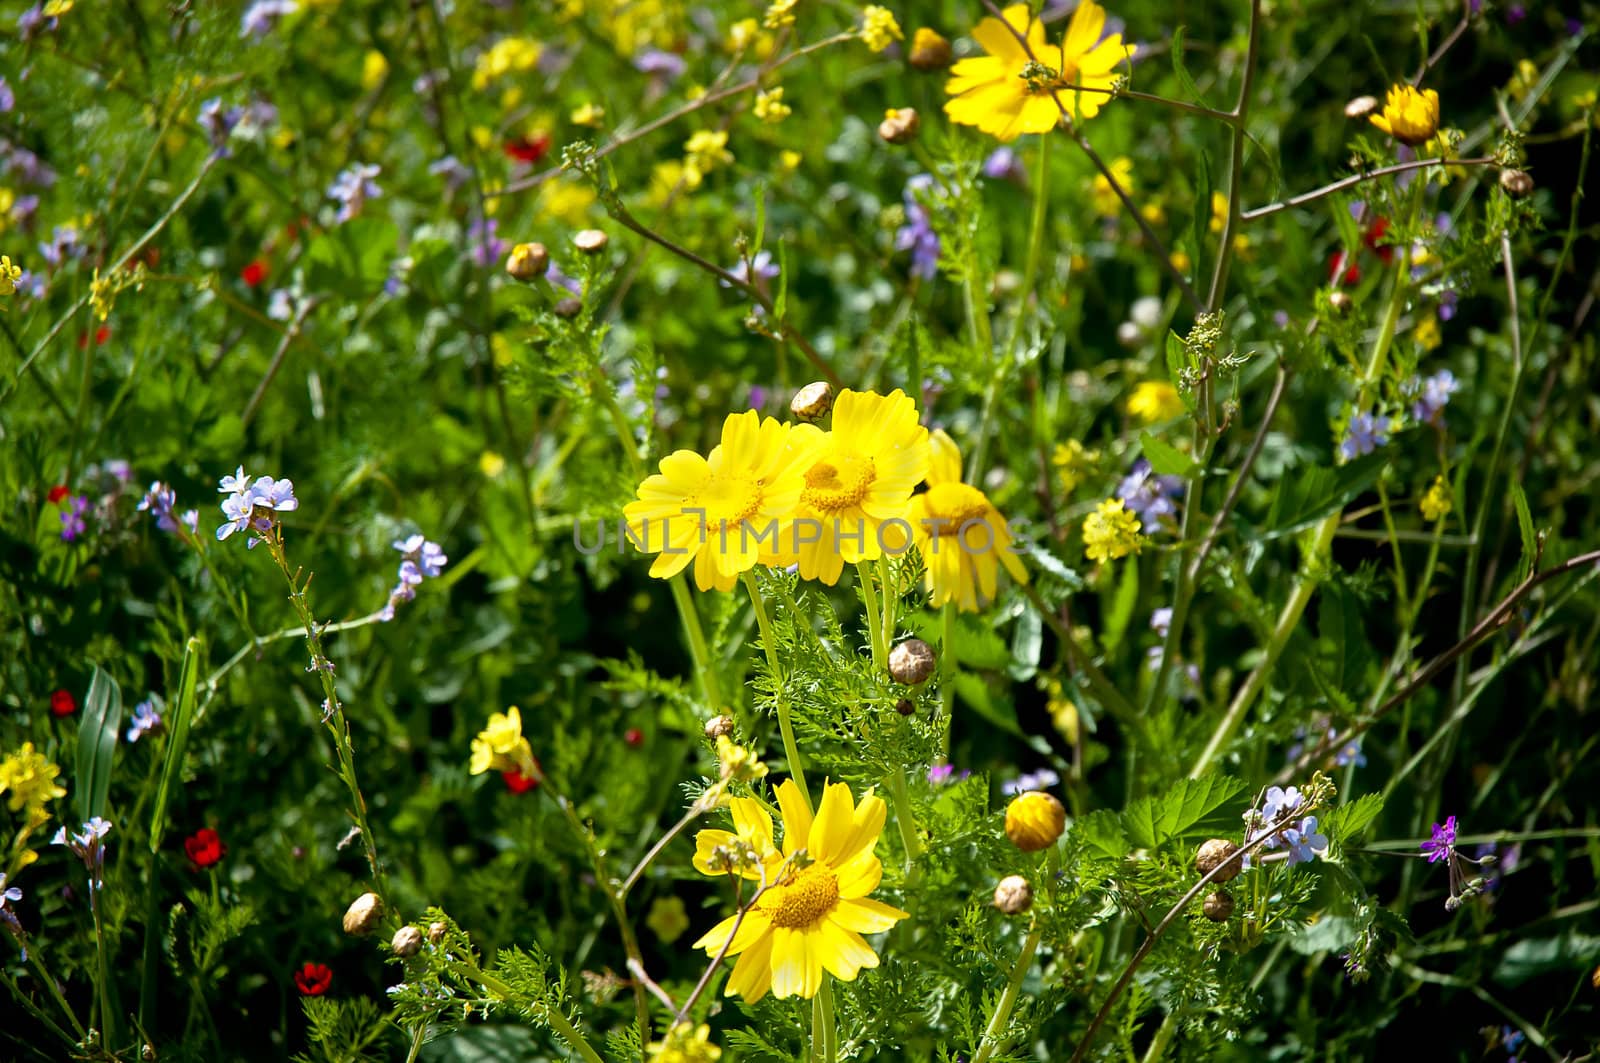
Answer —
(10, 274)
(1409, 115)
(1436, 503)
(501, 747)
(1107, 203)
(686, 1044)
(721, 511)
(1154, 400)
(963, 539)
(30, 779)
(863, 474)
(1006, 94)
(810, 918)
(1111, 532)
(878, 27)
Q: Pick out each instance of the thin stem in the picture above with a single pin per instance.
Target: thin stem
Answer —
(769, 641)
(1241, 110)
(290, 334)
(1242, 476)
(880, 651)
(49, 983)
(655, 850)
(1001, 1016)
(1350, 182)
(830, 1032)
(1082, 661)
(904, 819)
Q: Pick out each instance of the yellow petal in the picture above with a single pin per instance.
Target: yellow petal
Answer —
(867, 916)
(752, 975)
(796, 816)
(831, 829)
(1084, 30)
(842, 951)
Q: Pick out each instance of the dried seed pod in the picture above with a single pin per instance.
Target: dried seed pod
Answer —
(406, 942)
(1516, 182)
(1013, 895)
(905, 707)
(527, 262)
(590, 241)
(569, 307)
(1361, 106)
(1034, 821)
(1214, 854)
(899, 125)
(436, 932)
(812, 402)
(912, 662)
(718, 726)
(1218, 906)
(363, 914)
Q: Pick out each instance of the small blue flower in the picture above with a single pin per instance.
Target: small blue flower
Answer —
(72, 522)
(1305, 844)
(1043, 779)
(1003, 165)
(263, 15)
(219, 122)
(1432, 394)
(1365, 433)
(158, 502)
(238, 509)
(487, 247)
(353, 187)
(917, 235)
(146, 720)
(1153, 499)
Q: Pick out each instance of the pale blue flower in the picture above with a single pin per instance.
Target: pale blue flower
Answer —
(1365, 433)
(158, 502)
(1305, 843)
(1043, 779)
(262, 16)
(146, 720)
(353, 187)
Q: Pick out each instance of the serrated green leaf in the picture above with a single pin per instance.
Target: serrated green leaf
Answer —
(1051, 564)
(1309, 495)
(181, 714)
(1164, 458)
(1027, 641)
(1346, 823)
(1102, 829)
(1152, 821)
(97, 744)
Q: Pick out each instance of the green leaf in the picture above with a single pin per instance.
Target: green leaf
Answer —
(1164, 458)
(1121, 610)
(1530, 538)
(1346, 823)
(1184, 77)
(1050, 563)
(1201, 222)
(975, 693)
(181, 714)
(97, 743)
(1151, 821)
(1102, 829)
(780, 302)
(1331, 933)
(1177, 355)
(352, 259)
(1306, 496)
(1531, 958)
(980, 646)
(1027, 640)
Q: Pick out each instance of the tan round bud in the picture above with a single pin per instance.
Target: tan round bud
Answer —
(905, 707)
(436, 932)
(718, 726)
(812, 402)
(1013, 895)
(590, 241)
(1213, 854)
(930, 50)
(527, 262)
(912, 662)
(1341, 303)
(1516, 182)
(899, 125)
(1218, 906)
(363, 914)
(1361, 106)
(569, 307)
(406, 942)
(1034, 821)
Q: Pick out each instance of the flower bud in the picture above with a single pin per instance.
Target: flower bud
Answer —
(719, 726)
(905, 707)
(569, 307)
(1361, 106)
(436, 932)
(929, 50)
(407, 941)
(1218, 906)
(527, 262)
(363, 914)
(1034, 821)
(899, 125)
(1013, 895)
(812, 402)
(1214, 854)
(590, 241)
(1516, 182)
(1341, 303)
(912, 662)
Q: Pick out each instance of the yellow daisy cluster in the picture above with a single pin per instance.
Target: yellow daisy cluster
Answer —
(501, 747)
(29, 779)
(775, 494)
(813, 907)
(1014, 88)
(1436, 503)
(1073, 462)
(780, 13)
(511, 55)
(705, 151)
(769, 106)
(879, 28)
(686, 1044)
(1111, 532)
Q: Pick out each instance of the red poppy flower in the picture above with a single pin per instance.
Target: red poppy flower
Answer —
(1374, 233)
(313, 979)
(528, 149)
(58, 492)
(1345, 261)
(634, 737)
(254, 273)
(101, 334)
(62, 703)
(205, 848)
(519, 783)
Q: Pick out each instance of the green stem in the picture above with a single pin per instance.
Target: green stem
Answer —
(1008, 999)
(709, 683)
(880, 652)
(558, 1022)
(947, 669)
(891, 598)
(830, 1032)
(49, 983)
(769, 641)
(904, 818)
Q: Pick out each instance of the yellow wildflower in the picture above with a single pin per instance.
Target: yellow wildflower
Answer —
(1005, 93)
(686, 1044)
(491, 464)
(1063, 712)
(878, 27)
(589, 114)
(501, 747)
(57, 8)
(510, 55)
(746, 35)
(1524, 80)
(1436, 503)
(770, 108)
(30, 778)
(670, 177)
(374, 68)
(1072, 461)
(790, 160)
(780, 13)
(737, 762)
(10, 274)
(811, 917)
(1409, 115)
(963, 539)
(1180, 261)
(1154, 400)
(1111, 532)
(1107, 203)
(566, 201)
(667, 919)
(1427, 333)
(706, 150)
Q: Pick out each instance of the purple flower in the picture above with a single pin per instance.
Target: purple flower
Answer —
(219, 123)
(558, 279)
(1365, 433)
(29, 167)
(1003, 165)
(238, 509)
(33, 21)
(1153, 499)
(761, 268)
(1042, 779)
(146, 720)
(353, 187)
(63, 244)
(276, 495)
(9, 895)
(420, 558)
(158, 502)
(455, 172)
(1305, 843)
(1350, 754)
(1161, 620)
(89, 847)
(263, 15)
(664, 67)
(917, 235)
(1443, 843)
(1432, 395)
(1447, 304)
(487, 247)
(1515, 14)
(72, 523)
(253, 507)
(8, 98)
(944, 774)
(237, 484)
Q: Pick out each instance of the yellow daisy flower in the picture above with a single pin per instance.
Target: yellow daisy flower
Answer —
(501, 747)
(1154, 400)
(1409, 115)
(721, 511)
(862, 475)
(29, 778)
(810, 918)
(1111, 531)
(962, 537)
(1005, 94)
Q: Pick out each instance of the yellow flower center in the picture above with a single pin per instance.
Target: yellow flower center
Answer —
(838, 484)
(808, 896)
(952, 505)
(727, 498)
